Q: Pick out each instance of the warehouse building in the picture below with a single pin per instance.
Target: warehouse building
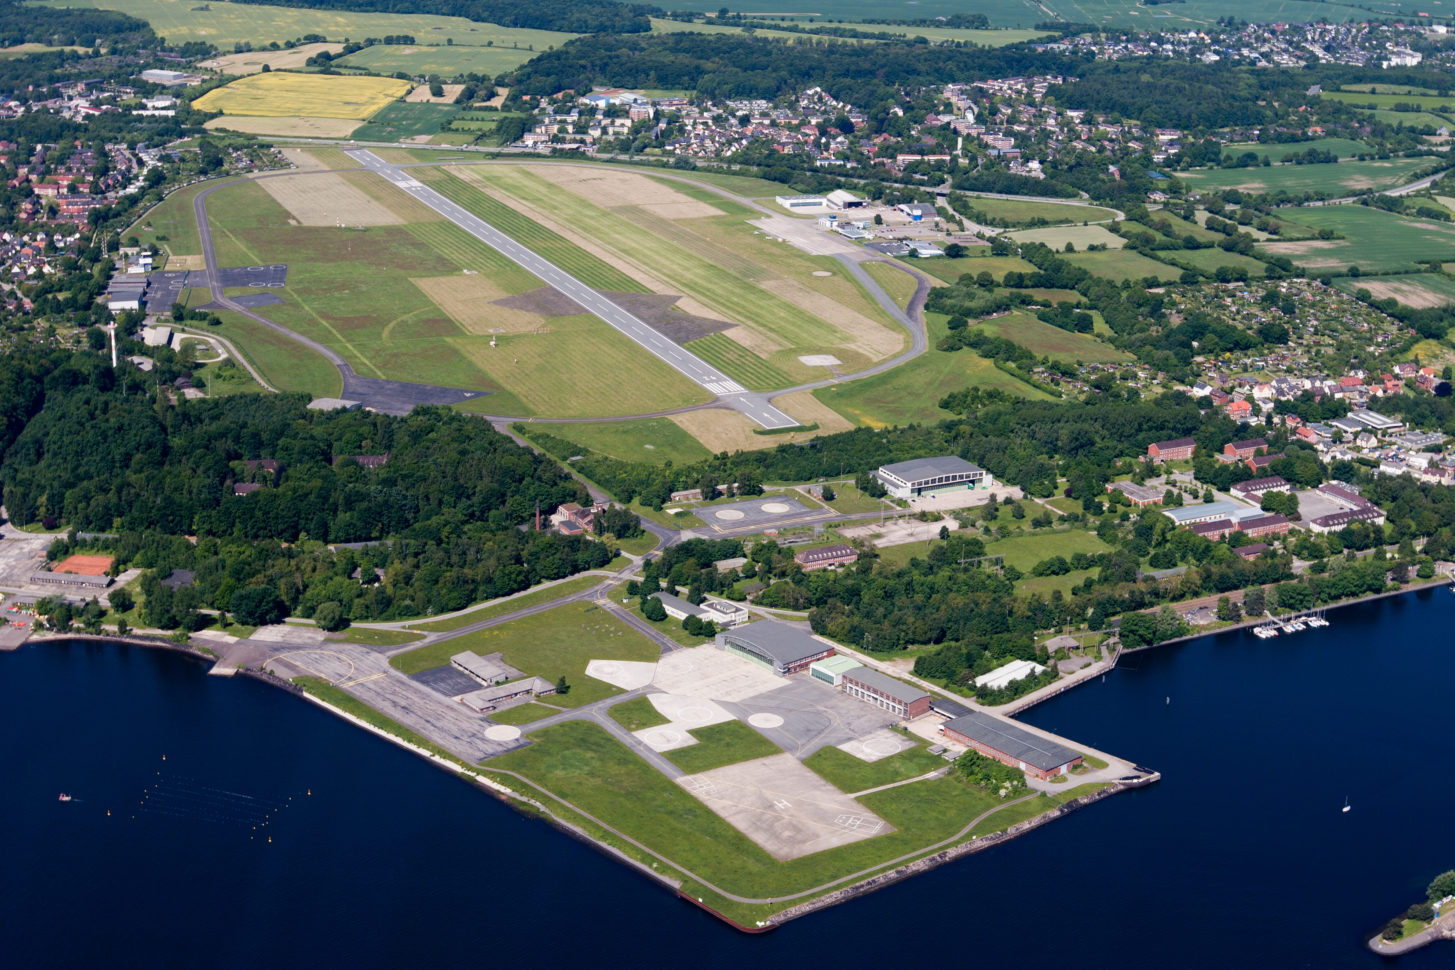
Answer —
(1009, 673)
(886, 692)
(489, 669)
(781, 648)
(1186, 515)
(832, 670)
(489, 699)
(1011, 745)
(936, 476)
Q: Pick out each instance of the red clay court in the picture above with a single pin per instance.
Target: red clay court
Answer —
(85, 565)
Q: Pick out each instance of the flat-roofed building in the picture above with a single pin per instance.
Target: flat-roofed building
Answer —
(936, 476)
(723, 613)
(1011, 744)
(884, 691)
(1009, 674)
(1205, 512)
(71, 579)
(832, 670)
(1375, 420)
(677, 607)
(781, 648)
(489, 669)
(1139, 495)
(488, 699)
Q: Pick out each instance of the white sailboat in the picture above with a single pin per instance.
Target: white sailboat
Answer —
(1346, 803)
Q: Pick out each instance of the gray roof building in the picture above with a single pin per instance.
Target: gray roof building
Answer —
(1012, 741)
(905, 478)
(888, 686)
(491, 668)
(784, 648)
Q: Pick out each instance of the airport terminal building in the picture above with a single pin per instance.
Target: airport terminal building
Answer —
(781, 648)
(932, 476)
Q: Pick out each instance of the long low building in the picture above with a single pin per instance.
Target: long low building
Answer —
(781, 648)
(488, 699)
(884, 691)
(935, 476)
(71, 579)
(1010, 744)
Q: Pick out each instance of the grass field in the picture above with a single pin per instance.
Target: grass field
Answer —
(558, 642)
(1079, 236)
(652, 440)
(522, 714)
(544, 594)
(721, 744)
(401, 120)
(170, 224)
(379, 638)
(1021, 213)
(912, 391)
(1417, 290)
(1208, 260)
(1342, 147)
(285, 94)
(1342, 178)
(637, 714)
(1123, 265)
(1392, 94)
(1376, 241)
(1042, 339)
(898, 284)
(225, 24)
(950, 270)
(848, 774)
(1024, 551)
(446, 62)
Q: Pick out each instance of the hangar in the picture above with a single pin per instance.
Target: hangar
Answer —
(781, 648)
(910, 479)
(1010, 744)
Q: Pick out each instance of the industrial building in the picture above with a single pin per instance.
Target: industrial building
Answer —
(801, 202)
(1210, 511)
(722, 613)
(936, 476)
(832, 670)
(781, 648)
(883, 691)
(1011, 745)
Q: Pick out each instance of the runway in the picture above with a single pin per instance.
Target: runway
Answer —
(732, 394)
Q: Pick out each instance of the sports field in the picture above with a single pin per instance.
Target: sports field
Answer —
(1042, 339)
(284, 94)
(1123, 265)
(225, 24)
(1335, 179)
(1417, 290)
(769, 304)
(912, 391)
(1374, 240)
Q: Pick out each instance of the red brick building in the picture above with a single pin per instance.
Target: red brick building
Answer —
(1176, 450)
(1244, 449)
(1011, 744)
(826, 557)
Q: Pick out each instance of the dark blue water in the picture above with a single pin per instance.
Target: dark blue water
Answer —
(1239, 858)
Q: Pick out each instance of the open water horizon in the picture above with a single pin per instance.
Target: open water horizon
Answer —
(1240, 856)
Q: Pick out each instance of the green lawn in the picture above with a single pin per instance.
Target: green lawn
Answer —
(898, 284)
(379, 638)
(721, 744)
(446, 61)
(1019, 213)
(636, 714)
(403, 119)
(912, 391)
(1120, 265)
(1387, 96)
(1342, 147)
(225, 24)
(1208, 260)
(849, 774)
(558, 642)
(490, 610)
(522, 714)
(848, 499)
(1024, 551)
(170, 224)
(650, 440)
(1042, 339)
(950, 270)
(1341, 178)
(1079, 236)
(1374, 240)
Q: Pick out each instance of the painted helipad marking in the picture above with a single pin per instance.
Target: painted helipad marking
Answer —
(728, 515)
(695, 715)
(882, 747)
(502, 732)
(362, 680)
(293, 654)
(776, 508)
(781, 805)
(765, 720)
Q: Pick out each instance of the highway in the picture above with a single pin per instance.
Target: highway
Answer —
(724, 388)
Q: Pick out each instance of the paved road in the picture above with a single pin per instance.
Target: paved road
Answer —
(695, 369)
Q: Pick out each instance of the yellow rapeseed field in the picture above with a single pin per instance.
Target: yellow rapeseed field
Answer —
(282, 94)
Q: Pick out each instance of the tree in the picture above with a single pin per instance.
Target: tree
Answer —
(121, 600)
(828, 493)
(122, 628)
(562, 687)
(955, 250)
(257, 606)
(330, 616)
(1253, 601)
(653, 610)
(436, 90)
(1441, 886)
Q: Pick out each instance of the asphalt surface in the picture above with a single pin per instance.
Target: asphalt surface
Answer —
(727, 390)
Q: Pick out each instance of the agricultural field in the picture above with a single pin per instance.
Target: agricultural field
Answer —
(1421, 98)
(1208, 260)
(748, 304)
(1417, 290)
(403, 120)
(225, 24)
(446, 61)
(22, 50)
(412, 297)
(251, 62)
(1021, 213)
(1277, 152)
(286, 127)
(1044, 340)
(284, 94)
(1123, 265)
(1374, 240)
(951, 270)
(1079, 236)
(1332, 179)
(912, 391)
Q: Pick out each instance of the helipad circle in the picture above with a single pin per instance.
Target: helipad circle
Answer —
(606, 667)
(502, 732)
(881, 747)
(776, 508)
(693, 715)
(765, 720)
(728, 515)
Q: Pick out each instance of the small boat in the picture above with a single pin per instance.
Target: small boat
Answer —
(65, 797)
(1346, 803)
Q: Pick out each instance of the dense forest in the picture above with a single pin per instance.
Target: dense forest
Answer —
(445, 515)
(566, 15)
(24, 23)
(725, 66)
